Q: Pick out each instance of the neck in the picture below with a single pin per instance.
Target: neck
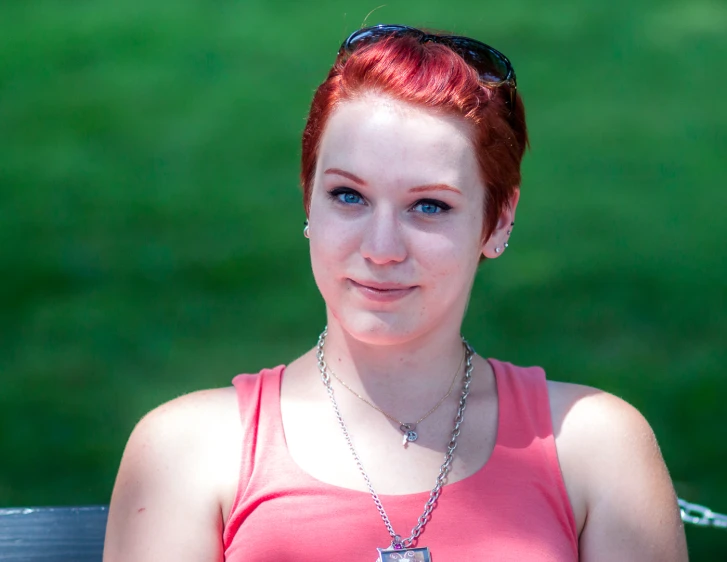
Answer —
(412, 371)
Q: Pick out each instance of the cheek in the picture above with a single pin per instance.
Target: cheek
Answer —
(331, 248)
(451, 253)
(321, 259)
(452, 272)
(332, 240)
(323, 270)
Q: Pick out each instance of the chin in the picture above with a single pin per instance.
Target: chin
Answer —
(380, 328)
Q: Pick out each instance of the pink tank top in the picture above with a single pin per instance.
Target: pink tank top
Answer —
(515, 508)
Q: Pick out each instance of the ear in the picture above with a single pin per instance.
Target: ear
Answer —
(496, 244)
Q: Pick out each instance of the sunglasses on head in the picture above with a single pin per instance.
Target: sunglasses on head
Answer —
(493, 68)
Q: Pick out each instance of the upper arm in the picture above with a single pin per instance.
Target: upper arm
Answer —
(166, 504)
(614, 461)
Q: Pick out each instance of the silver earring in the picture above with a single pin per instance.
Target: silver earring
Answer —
(306, 229)
(497, 250)
(506, 244)
(509, 232)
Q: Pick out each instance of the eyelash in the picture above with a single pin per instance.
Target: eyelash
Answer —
(336, 193)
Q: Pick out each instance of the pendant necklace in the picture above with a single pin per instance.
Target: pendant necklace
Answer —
(400, 548)
(408, 429)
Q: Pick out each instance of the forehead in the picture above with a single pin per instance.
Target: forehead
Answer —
(384, 139)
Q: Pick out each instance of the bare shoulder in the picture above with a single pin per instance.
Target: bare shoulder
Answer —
(599, 431)
(191, 413)
(195, 435)
(184, 428)
(619, 486)
(175, 475)
(592, 430)
(590, 413)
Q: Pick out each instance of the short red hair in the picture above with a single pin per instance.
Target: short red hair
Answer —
(432, 76)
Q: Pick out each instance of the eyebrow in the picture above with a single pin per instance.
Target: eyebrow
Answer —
(434, 187)
(345, 174)
(417, 189)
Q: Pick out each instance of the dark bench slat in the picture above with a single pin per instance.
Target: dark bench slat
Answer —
(52, 534)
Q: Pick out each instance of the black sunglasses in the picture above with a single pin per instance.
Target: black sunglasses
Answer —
(493, 67)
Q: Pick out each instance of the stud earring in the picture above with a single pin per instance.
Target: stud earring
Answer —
(497, 250)
(306, 229)
(506, 244)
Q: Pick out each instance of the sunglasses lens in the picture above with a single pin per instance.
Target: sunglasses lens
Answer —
(372, 34)
(491, 65)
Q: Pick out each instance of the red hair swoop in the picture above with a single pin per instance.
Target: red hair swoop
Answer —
(432, 76)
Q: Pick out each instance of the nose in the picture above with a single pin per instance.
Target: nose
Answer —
(383, 239)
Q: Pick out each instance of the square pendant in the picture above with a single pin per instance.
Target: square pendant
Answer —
(408, 554)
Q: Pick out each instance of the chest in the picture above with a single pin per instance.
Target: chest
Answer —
(317, 445)
(504, 499)
(307, 521)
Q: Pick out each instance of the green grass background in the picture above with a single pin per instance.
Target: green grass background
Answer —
(150, 220)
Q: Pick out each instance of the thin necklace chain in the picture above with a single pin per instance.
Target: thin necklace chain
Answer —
(392, 418)
(396, 540)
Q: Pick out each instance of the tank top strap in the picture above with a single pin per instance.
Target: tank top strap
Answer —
(524, 406)
(525, 447)
(258, 401)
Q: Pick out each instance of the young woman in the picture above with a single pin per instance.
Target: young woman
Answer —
(392, 438)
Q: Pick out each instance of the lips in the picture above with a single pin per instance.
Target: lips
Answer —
(382, 292)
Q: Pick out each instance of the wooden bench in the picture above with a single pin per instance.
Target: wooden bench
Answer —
(52, 534)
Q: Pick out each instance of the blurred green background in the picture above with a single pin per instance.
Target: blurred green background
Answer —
(150, 219)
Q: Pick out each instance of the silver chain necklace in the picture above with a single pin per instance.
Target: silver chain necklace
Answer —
(407, 428)
(399, 545)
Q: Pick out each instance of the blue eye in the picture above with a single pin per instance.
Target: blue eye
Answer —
(429, 207)
(349, 198)
(346, 196)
